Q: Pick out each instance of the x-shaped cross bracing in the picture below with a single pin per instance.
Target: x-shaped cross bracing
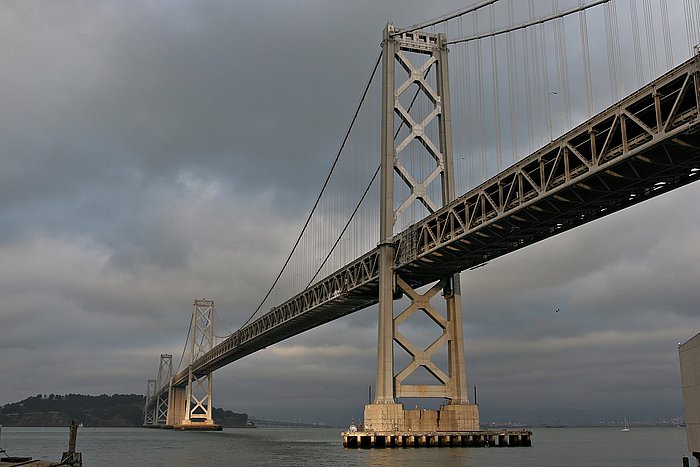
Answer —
(421, 358)
(200, 395)
(419, 189)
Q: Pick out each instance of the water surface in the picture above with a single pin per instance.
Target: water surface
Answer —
(107, 447)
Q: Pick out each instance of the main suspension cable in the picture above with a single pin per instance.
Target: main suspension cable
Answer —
(189, 331)
(527, 24)
(446, 18)
(323, 188)
(345, 228)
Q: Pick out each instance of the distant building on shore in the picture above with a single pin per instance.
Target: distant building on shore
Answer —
(689, 356)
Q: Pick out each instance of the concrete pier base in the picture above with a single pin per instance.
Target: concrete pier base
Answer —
(197, 426)
(394, 418)
(458, 417)
(384, 417)
(480, 438)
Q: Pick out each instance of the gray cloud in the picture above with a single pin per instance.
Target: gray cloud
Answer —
(154, 153)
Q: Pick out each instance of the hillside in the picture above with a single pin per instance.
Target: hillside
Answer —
(118, 410)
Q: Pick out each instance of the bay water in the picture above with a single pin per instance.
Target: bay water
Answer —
(106, 447)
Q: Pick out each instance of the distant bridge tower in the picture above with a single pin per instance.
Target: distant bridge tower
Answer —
(398, 120)
(165, 372)
(157, 400)
(148, 413)
(191, 406)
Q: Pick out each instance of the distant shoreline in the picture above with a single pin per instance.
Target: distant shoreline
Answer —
(115, 411)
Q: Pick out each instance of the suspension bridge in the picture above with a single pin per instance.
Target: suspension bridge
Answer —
(436, 138)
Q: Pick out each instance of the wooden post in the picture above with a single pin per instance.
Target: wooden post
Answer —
(73, 437)
(71, 457)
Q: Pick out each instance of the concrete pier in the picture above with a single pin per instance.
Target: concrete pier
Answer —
(486, 438)
(197, 426)
(452, 418)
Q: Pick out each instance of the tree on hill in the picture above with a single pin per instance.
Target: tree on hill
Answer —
(56, 410)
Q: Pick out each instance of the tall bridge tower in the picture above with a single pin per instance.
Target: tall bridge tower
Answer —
(165, 372)
(149, 414)
(191, 405)
(400, 128)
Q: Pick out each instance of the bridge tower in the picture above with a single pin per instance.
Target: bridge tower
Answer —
(149, 414)
(385, 413)
(191, 405)
(165, 372)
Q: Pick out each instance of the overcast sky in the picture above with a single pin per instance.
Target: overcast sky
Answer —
(154, 152)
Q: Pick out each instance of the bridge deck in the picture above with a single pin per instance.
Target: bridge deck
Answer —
(641, 147)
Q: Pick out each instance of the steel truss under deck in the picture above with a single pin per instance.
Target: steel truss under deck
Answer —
(643, 146)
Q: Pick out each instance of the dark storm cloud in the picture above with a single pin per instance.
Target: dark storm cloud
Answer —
(107, 105)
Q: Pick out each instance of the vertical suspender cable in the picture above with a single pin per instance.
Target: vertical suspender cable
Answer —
(512, 86)
(468, 126)
(345, 228)
(667, 35)
(608, 43)
(539, 74)
(636, 43)
(559, 45)
(565, 86)
(471, 127)
(651, 44)
(688, 28)
(541, 87)
(323, 188)
(187, 339)
(560, 62)
(696, 22)
(586, 62)
(464, 126)
(496, 106)
(461, 93)
(617, 53)
(480, 92)
(611, 47)
(546, 91)
(528, 86)
(694, 27)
